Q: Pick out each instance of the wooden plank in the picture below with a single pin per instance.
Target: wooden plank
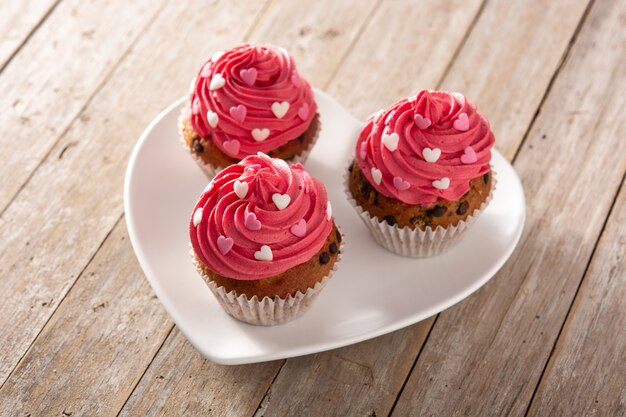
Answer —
(100, 325)
(485, 356)
(350, 86)
(180, 382)
(96, 197)
(587, 374)
(509, 59)
(18, 19)
(58, 221)
(54, 75)
(401, 51)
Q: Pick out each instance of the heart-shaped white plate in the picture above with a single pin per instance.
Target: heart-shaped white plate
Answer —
(374, 291)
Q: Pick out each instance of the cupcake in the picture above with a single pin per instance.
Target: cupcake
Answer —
(421, 174)
(264, 240)
(246, 100)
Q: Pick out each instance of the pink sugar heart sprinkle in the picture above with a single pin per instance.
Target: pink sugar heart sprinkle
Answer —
(231, 147)
(195, 106)
(206, 70)
(303, 111)
(421, 121)
(469, 156)
(363, 150)
(462, 123)
(248, 75)
(295, 79)
(224, 244)
(251, 222)
(299, 229)
(238, 112)
(401, 184)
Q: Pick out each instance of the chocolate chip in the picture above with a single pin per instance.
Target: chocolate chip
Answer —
(462, 209)
(333, 248)
(324, 258)
(486, 177)
(390, 220)
(437, 211)
(338, 235)
(197, 146)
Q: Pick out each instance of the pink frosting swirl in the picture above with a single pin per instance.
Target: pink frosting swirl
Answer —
(425, 148)
(251, 99)
(258, 218)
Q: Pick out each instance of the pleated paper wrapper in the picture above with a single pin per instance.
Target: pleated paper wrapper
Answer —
(268, 311)
(416, 243)
(211, 171)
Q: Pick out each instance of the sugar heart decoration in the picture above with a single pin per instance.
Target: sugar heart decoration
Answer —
(329, 210)
(401, 184)
(217, 55)
(280, 109)
(462, 123)
(295, 79)
(248, 75)
(442, 184)
(421, 121)
(469, 156)
(251, 222)
(238, 112)
(206, 70)
(264, 254)
(212, 118)
(260, 134)
(195, 106)
(391, 141)
(299, 229)
(241, 189)
(431, 155)
(363, 150)
(217, 81)
(224, 244)
(303, 111)
(281, 200)
(231, 147)
(377, 176)
(197, 217)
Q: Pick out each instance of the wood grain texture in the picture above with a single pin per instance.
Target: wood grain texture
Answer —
(180, 382)
(58, 221)
(587, 373)
(18, 19)
(485, 356)
(93, 351)
(401, 51)
(509, 59)
(54, 75)
(359, 380)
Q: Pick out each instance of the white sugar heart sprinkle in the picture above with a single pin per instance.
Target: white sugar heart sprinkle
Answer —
(281, 200)
(377, 176)
(241, 189)
(217, 55)
(197, 217)
(329, 210)
(391, 141)
(280, 109)
(264, 254)
(431, 155)
(442, 184)
(212, 118)
(260, 134)
(217, 82)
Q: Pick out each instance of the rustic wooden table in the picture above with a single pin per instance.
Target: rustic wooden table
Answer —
(84, 334)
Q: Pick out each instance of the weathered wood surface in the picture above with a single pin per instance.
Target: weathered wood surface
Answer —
(486, 355)
(18, 19)
(588, 367)
(97, 340)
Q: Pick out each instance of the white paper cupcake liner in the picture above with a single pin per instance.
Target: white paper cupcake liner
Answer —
(211, 171)
(267, 311)
(416, 243)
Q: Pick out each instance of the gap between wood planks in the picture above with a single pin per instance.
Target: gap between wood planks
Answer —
(88, 99)
(576, 293)
(566, 53)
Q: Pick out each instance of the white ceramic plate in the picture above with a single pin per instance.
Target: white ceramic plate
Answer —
(163, 183)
